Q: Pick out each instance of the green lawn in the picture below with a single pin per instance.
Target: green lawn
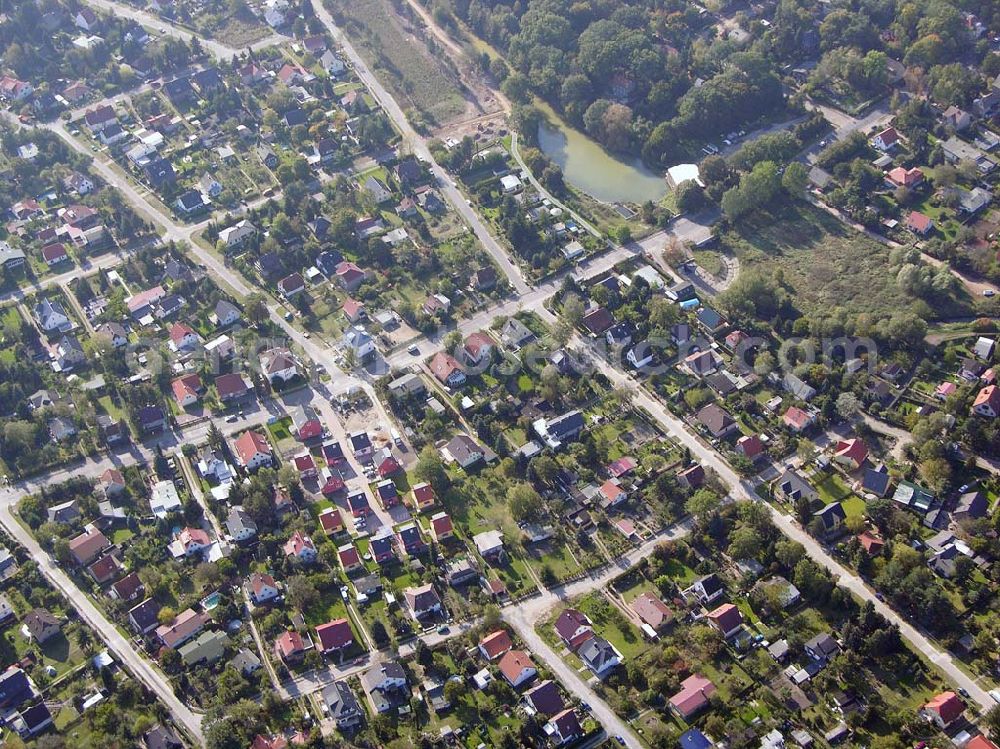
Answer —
(854, 506)
(826, 265)
(611, 624)
(280, 429)
(831, 488)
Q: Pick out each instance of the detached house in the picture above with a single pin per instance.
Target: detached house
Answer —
(335, 636)
(693, 696)
(574, 628)
(253, 450)
(86, 547)
(886, 140)
(727, 619)
(517, 668)
(919, 223)
(237, 235)
(301, 548)
(943, 710)
(599, 656)
(987, 402)
(262, 588)
(447, 370)
(423, 601)
(495, 645)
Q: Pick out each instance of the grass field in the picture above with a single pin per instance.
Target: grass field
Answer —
(418, 80)
(827, 264)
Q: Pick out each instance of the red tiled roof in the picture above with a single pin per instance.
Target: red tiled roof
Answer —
(335, 635)
(906, 177)
(726, 617)
(620, 467)
(179, 330)
(652, 610)
(258, 581)
(989, 395)
(188, 385)
(750, 445)
(870, 542)
(230, 384)
(477, 342)
(349, 556)
(947, 705)
(496, 643)
(53, 251)
(289, 643)
(330, 520)
(423, 494)
(694, 694)
(853, 449)
(250, 444)
(441, 523)
(444, 365)
(918, 221)
(888, 136)
(513, 663)
(796, 418)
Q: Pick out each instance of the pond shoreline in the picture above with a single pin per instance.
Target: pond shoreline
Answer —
(590, 168)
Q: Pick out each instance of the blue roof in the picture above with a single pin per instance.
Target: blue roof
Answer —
(694, 739)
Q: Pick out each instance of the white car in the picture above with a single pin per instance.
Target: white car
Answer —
(989, 292)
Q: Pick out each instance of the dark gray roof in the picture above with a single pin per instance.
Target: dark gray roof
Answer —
(341, 702)
(569, 423)
(795, 486)
(597, 653)
(876, 481)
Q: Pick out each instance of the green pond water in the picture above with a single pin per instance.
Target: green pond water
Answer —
(588, 167)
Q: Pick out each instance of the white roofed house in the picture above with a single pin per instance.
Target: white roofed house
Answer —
(51, 316)
(238, 234)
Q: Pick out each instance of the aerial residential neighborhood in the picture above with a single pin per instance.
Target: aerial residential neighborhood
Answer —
(542, 374)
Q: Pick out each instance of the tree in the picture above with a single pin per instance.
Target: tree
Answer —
(745, 543)
(255, 308)
(789, 553)
(690, 197)
(207, 575)
(430, 468)
(703, 504)
(992, 721)
(936, 471)
(523, 502)
(379, 635)
(301, 593)
(848, 405)
(454, 692)
(795, 180)
(544, 468)
(756, 189)
(569, 317)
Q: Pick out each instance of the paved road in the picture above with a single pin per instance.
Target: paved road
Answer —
(90, 267)
(419, 145)
(222, 52)
(844, 124)
(744, 489)
(525, 616)
(124, 651)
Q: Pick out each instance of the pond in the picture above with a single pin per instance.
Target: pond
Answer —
(588, 167)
